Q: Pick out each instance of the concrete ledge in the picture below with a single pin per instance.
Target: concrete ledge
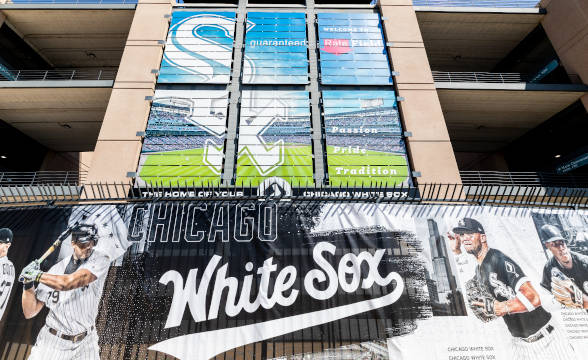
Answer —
(58, 84)
(68, 6)
(514, 86)
(467, 9)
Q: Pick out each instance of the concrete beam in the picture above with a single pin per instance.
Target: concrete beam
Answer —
(67, 6)
(459, 9)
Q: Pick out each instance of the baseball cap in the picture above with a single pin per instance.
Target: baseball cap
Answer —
(468, 225)
(550, 233)
(5, 235)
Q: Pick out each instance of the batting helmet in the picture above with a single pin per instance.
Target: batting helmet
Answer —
(550, 233)
(5, 236)
(84, 232)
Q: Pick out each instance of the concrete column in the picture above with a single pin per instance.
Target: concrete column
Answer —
(429, 147)
(118, 147)
(566, 25)
(2, 16)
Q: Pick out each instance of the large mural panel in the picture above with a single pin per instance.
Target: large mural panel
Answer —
(199, 48)
(274, 138)
(352, 49)
(276, 50)
(364, 138)
(184, 141)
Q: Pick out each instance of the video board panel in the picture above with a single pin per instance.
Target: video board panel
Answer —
(364, 139)
(352, 49)
(184, 142)
(199, 48)
(274, 138)
(275, 49)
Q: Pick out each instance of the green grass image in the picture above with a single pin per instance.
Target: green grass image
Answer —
(297, 168)
(396, 167)
(178, 168)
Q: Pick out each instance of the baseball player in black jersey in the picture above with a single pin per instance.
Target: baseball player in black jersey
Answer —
(512, 297)
(566, 273)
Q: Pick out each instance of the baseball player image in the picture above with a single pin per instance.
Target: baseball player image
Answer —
(6, 269)
(71, 289)
(501, 289)
(566, 273)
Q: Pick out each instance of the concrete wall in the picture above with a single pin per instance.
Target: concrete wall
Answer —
(430, 148)
(118, 146)
(566, 25)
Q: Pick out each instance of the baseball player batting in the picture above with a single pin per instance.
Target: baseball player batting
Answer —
(6, 269)
(504, 291)
(566, 273)
(71, 289)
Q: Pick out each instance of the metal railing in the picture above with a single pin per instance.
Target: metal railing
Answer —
(35, 178)
(544, 179)
(479, 3)
(480, 77)
(77, 2)
(41, 75)
(505, 195)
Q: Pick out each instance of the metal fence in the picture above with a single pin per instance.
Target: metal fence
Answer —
(41, 75)
(479, 3)
(482, 77)
(35, 178)
(507, 195)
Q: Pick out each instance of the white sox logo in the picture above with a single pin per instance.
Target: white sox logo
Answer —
(345, 278)
(264, 113)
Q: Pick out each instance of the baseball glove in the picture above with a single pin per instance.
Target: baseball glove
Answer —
(565, 291)
(480, 300)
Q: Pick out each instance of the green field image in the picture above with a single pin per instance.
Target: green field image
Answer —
(297, 168)
(177, 168)
(345, 169)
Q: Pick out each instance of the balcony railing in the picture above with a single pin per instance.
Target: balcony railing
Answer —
(481, 77)
(479, 3)
(35, 178)
(41, 75)
(543, 179)
(70, 2)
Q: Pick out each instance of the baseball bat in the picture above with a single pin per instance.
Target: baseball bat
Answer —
(52, 248)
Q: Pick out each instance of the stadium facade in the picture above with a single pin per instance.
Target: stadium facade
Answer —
(392, 179)
(480, 89)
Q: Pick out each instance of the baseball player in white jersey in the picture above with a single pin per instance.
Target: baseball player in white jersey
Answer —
(71, 289)
(6, 269)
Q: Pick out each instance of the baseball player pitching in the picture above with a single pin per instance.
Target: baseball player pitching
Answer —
(71, 289)
(501, 289)
(6, 269)
(566, 273)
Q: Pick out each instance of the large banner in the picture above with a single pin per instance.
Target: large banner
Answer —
(266, 280)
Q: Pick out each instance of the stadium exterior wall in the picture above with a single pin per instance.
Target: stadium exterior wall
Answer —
(118, 146)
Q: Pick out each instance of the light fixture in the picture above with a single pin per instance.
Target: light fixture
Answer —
(557, 156)
(2, 156)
